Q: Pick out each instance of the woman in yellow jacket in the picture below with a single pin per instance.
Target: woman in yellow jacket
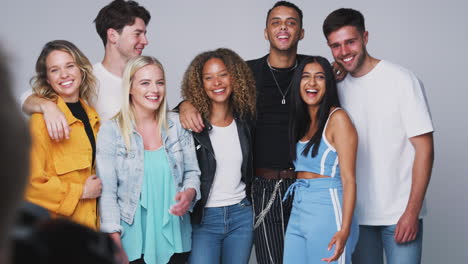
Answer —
(62, 176)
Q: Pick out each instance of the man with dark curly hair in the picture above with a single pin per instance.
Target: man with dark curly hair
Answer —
(274, 170)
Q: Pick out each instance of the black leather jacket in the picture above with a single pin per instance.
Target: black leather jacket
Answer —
(207, 163)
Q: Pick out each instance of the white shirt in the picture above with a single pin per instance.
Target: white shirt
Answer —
(387, 106)
(227, 188)
(109, 92)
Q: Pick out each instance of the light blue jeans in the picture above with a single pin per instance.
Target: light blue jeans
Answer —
(224, 235)
(374, 240)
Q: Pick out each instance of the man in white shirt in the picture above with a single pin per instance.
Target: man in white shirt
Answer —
(122, 28)
(395, 150)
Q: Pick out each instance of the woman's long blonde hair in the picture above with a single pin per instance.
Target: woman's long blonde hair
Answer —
(39, 82)
(126, 116)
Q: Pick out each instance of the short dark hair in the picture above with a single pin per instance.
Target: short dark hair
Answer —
(118, 14)
(343, 17)
(286, 4)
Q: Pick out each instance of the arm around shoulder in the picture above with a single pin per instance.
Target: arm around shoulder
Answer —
(55, 120)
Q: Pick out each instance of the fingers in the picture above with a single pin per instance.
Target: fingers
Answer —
(405, 233)
(338, 251)
(190, 118)
(57, 127)
(200, 122)
(398, 234)
(330, 245)
(92, 187)
(338, 71)
(340, 75)
(184, 122)
(195, 123)
(65, 128)
(181, 207)
(51, 130)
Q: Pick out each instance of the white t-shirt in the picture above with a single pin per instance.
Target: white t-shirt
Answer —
(227, 188)
(388, 107)
(109, 93)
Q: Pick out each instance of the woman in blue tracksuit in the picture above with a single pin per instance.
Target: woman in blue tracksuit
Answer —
(220, 85)
(321, 228)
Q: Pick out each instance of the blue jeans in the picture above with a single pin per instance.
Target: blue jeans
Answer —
(224, 235)
(373, 240)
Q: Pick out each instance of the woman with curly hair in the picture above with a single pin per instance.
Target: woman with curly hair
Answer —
(62, 175)
(220, 85)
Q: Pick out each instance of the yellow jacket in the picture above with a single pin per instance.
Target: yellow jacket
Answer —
(59, 169)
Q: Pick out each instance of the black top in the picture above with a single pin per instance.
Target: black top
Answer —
(79, 112)
(271, 143)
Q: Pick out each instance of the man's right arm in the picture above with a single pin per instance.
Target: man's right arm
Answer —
(190, 118)
(56, 123)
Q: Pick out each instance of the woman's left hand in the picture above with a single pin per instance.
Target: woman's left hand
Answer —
(339, 240)
(184, 199)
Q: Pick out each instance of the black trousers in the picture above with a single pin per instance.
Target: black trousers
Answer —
(177, 258)
(270, 227)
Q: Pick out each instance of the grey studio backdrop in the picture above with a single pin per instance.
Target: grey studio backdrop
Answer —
(429, 37)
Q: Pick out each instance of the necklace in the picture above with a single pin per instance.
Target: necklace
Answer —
(283, 101)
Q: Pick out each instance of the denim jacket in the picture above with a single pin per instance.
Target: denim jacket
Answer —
(121, 171)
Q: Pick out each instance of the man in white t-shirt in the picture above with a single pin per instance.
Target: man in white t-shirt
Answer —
(395, 150)
(122, 28)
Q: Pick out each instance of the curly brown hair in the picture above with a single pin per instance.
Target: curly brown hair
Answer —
(242, 100)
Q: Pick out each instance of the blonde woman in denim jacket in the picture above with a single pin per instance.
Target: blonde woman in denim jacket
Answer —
(149, 171)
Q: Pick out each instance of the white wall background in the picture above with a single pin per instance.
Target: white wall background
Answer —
(427, 36)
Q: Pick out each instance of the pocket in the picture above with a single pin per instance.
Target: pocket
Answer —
(174, 147)
(124, 154)
(69, 163)
(245, 203)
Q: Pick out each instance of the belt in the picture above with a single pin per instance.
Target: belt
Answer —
(275, 174)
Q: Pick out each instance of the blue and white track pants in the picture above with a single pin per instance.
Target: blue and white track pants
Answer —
(315, 217)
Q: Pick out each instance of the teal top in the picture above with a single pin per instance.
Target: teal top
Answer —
(155, 233)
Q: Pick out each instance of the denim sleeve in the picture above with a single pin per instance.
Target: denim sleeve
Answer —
(191, 170)
(106, 170)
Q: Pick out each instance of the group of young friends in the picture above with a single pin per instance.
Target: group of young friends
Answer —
(259, 152)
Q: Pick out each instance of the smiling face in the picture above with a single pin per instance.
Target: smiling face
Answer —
(63, 75)
(283, 29)
(132, 40)
(217, 81)
(148, 89)
(348, 47)
(313, 84)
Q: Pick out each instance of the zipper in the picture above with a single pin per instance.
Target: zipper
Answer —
(211, 184)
